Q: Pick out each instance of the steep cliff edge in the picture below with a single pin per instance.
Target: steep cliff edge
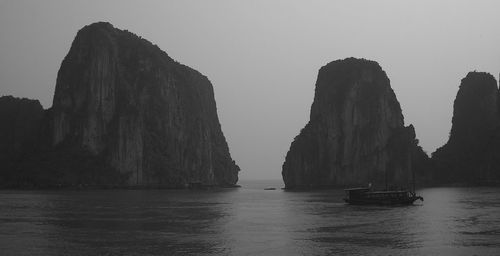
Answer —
(120, 97)
(126, 113)
(472, 153)
(19, 122)
(356, 133)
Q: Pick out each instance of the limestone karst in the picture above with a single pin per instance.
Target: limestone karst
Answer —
(356, 133)
(472, 153)
(124, 112)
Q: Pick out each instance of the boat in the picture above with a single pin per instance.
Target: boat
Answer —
(365, 196)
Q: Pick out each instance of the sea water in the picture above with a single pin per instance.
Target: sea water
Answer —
(246, 221)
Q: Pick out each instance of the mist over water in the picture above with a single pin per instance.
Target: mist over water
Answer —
(246, 221)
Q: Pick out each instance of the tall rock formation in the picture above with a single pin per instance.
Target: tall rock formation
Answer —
(19, 122)
(356, 133)
(472, 153)
(124, 112)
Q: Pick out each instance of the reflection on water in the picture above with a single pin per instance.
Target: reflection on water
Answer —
(246, 221)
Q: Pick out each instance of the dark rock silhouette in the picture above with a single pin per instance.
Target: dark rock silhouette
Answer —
(124, 112)
(356, 133)
(19, 122)
(472, 153)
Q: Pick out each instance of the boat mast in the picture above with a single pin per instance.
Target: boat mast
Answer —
(413, 177)
(411, 169)
(386, 188)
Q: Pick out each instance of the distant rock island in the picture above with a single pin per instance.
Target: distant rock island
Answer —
(19, 123)
(356, 133)
(472, 153)
(124, 113)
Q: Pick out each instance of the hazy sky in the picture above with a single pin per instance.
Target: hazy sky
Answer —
(262, 57)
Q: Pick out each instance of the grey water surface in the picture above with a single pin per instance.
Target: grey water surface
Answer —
(246, 221)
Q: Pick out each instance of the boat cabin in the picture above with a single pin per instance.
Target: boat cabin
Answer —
(355, 192)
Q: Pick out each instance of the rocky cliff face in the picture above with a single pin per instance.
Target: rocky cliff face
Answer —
(19, 122)
(471, 154)
(153, 119)
(356, 132)
(125, 112)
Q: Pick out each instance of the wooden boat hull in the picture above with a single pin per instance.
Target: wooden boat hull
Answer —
(406, 201)
(365, 196)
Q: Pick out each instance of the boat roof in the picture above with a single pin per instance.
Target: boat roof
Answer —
(376, 192)
(351, 189)
(389, 192)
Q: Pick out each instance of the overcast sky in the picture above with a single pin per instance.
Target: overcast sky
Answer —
(262, 57)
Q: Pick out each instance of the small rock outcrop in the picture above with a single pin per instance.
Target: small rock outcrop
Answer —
(19, 122)
(356, 133)
(472, 153)
(126, 113)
